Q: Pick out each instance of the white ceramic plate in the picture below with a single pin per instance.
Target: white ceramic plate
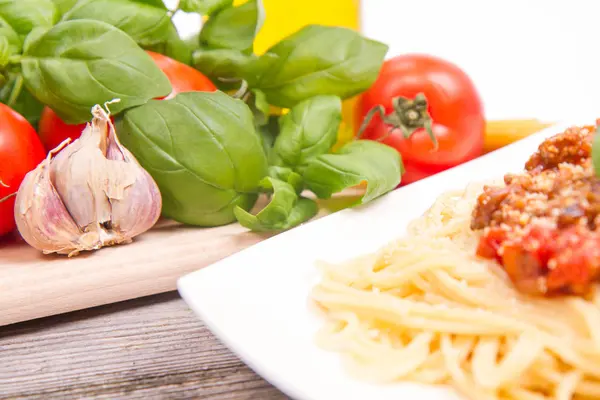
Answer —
(256, 301)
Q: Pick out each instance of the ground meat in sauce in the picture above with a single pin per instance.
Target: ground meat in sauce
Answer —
(543, 226)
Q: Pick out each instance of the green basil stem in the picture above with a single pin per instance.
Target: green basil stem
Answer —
(12, 64)
(407, 115)
(15, 59)
(16, 91)
(242, 92)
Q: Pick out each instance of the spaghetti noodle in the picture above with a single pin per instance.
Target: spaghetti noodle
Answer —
(427, 309)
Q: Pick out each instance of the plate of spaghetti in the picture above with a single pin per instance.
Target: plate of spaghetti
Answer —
(476, 283)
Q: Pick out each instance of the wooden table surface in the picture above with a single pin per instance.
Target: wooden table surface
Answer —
(151, 348)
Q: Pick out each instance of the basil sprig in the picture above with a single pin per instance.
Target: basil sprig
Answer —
(212, 155)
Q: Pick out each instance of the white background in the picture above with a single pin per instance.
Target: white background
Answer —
(528, 58)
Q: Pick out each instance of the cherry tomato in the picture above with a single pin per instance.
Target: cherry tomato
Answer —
(453, 104)
(20, 151)
(53, 131)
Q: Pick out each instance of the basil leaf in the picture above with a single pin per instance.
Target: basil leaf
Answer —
(13, 41)
(202, 150)
(155, 3)
(78, 64)
(148, 24)
(259, 106)
(268, 133)
(62, 6)
(303, 210)
(204, 7)
(319, 60)
(34, 35)
(25, 104)
(285, 210)
(276, 212)
(24, 15)
(232, 28)
(308, 130)
(172, 46)
(596, 151)
(221, 63)
(260, 102)
(363, 160)
(289, 176)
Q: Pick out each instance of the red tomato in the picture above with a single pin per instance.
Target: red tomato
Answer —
(20, 152)
(453, 104)
(53, 131)
(183, 78)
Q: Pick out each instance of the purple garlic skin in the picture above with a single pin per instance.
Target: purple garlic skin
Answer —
(92, 194)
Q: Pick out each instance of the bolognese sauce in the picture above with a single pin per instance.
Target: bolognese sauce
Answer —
(543, 225)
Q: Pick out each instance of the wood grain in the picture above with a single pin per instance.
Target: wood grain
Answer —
(33, 285)
(150, 348)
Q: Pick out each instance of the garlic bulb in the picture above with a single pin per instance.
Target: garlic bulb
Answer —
(92, 194)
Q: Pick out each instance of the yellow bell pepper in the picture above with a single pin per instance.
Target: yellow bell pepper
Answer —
(284, 17)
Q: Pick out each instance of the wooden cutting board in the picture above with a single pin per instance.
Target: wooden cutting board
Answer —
(33, 285)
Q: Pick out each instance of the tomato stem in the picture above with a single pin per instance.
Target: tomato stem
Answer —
(407, 115)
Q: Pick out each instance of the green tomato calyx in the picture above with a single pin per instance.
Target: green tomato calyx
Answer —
(407, 115)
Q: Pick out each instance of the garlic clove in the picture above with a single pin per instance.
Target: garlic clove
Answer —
(77, 173)
(42, 218)
(138, 208)
(135, 214)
